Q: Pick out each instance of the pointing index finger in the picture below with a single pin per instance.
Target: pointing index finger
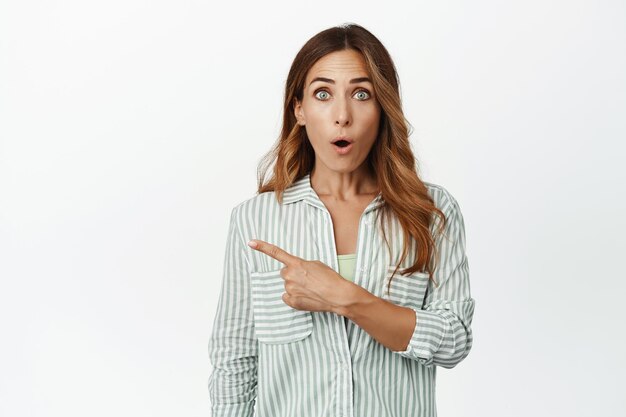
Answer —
(273, 251)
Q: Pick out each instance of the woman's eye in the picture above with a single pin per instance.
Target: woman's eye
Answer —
(365, 92)
(321, 91)
(361, 95)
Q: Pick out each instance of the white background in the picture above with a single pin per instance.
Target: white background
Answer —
(129, 129)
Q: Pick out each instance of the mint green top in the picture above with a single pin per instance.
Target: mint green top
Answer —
(346, 265)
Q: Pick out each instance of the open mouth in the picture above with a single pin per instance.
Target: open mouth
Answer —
(343, 146)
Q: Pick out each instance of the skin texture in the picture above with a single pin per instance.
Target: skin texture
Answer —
(338, 107)
(346, 187)
(335, 109)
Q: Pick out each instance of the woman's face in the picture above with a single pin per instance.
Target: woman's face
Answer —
(338, 100)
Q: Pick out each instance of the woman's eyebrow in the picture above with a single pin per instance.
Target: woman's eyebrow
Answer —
(331, 81)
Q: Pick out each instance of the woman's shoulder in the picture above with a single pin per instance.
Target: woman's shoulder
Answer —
(442, 197)
(258, 203)
(261, 204)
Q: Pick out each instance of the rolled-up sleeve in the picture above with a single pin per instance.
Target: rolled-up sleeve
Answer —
(443, 334)
(233, 343)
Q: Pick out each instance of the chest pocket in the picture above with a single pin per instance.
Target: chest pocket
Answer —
(275, 321)
(406, 290)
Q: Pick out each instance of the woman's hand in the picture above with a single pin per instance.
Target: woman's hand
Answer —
(310, 285)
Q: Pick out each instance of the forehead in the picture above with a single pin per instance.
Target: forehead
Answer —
(346, 63)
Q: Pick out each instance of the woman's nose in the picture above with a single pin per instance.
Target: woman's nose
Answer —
(343, 112)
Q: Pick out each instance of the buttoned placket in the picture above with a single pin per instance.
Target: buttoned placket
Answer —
(344, 394)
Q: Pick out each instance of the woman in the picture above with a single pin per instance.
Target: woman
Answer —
(345, 279)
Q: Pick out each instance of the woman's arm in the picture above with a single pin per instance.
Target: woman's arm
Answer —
(233, 344)
(439, 333)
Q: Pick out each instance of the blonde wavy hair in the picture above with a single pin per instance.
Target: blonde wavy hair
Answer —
(391, 159)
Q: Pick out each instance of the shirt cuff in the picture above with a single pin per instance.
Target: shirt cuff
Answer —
(430, 329)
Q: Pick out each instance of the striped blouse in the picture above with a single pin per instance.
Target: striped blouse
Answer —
(271, 360)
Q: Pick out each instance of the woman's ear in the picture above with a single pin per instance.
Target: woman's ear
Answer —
(297, 110)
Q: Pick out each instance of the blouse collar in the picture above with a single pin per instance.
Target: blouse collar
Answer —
(301, 190)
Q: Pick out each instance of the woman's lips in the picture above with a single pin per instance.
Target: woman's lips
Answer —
(344, 150)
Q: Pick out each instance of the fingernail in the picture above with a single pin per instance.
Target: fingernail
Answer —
(252, 244)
